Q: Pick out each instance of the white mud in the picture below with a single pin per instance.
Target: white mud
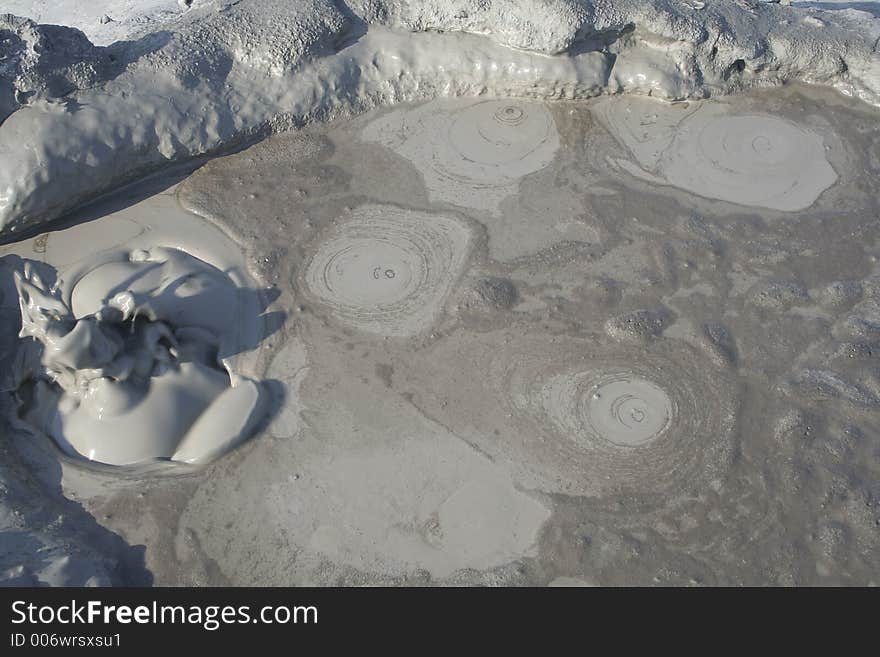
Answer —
(429, 503)
(749, 159)
(471, 153)
(665, 392)
(387, 270)
(360, 489)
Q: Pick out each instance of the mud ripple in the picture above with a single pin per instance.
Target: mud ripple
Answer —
(471, 154)
(388, 270)
(588, 416)
(751, 159)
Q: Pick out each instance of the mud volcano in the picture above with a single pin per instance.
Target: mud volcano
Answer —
(625, 410)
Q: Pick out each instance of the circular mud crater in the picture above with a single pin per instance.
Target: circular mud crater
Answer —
(626, 410)
(709, 149)
(498, 142)
(750, 159)
(387, 270)
(586, 417)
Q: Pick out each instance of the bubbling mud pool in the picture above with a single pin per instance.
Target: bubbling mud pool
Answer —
(609, 342)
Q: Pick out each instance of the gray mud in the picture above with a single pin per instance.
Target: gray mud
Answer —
(592, 377)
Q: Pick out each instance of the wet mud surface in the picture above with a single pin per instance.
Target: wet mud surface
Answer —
(615, 342)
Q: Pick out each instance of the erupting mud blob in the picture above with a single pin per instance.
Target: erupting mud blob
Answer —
(585, 417)
(132, 365)
(387, 270)
(471, 154)
(750, 159)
